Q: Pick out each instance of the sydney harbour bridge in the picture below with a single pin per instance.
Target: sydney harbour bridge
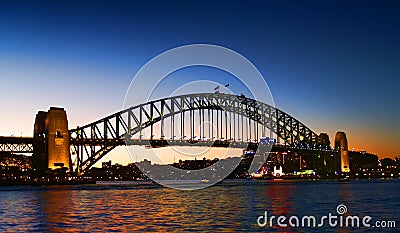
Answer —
(204, 119)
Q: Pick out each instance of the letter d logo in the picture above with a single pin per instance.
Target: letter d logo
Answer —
(259, 219)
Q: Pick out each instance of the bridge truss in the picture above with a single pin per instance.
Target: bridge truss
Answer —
(212, 118)
(16, 144)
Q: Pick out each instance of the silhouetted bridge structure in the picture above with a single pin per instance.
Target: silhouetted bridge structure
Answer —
(205, 119)
(16, 144)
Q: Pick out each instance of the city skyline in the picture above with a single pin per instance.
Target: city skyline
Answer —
(332, 65)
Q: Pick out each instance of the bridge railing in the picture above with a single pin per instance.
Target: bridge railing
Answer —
(16, 144)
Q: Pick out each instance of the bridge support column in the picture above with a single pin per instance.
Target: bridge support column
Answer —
(341, 146)
(39, 157)
(51, 136)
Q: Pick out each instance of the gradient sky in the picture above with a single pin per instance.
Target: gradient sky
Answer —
(334, 65)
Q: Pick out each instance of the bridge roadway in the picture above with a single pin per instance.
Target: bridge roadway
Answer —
(16, 144)
(25, 144)
(157, 143)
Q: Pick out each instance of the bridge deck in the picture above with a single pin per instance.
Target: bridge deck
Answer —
(156, 143)
(16, 144)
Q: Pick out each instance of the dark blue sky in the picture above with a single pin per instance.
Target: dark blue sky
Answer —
(334, 65)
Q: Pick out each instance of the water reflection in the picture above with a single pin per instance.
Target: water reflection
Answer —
(231, 206)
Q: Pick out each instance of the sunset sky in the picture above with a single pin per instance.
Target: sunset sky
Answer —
(334, 65)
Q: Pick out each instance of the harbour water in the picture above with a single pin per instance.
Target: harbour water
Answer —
(228, 206)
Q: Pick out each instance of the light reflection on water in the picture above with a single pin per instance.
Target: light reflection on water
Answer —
(230, 206)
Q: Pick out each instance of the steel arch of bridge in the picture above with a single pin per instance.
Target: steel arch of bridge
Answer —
(91, 142)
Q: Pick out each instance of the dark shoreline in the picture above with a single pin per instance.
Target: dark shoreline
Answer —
(40, 183)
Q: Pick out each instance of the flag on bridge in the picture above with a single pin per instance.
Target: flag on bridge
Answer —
(216, 89)
(227, 85)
